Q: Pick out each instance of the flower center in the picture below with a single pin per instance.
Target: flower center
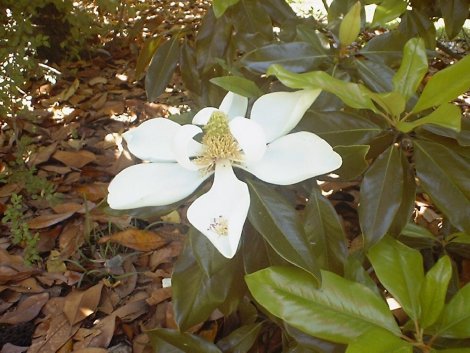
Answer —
(218, 142)
(219, 225)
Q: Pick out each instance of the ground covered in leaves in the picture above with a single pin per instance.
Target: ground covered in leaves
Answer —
(98, 279)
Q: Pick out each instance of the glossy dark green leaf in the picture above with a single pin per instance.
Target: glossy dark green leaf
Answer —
(447, 115)
(355, 271)
(186, 342)
(353, 94)
(310, 344)
(339, 311)
(250, 17)
(375, 74)
(400, 270)
(454, 78)
(240, 340)
(340, 128)
(323, 229)
(145, 55)
(350, 26)
(279, 224)
(279, 11)
(220, 6)
(454, 12)
(444, 176)
(307, 33)
(433, 291)
(462, 137)
(417, 237)
(412, 69)
(379, 341)
(414, 23)
(387, 11)
(294, 56)
(159, 345)
(407, 206)
(211, 41)
(459, 243)
(161, 68)
(188, 69)
(454, 321)
(386, 48)
(238, 84)
(354, 161)
(195, 295)
(381, 195)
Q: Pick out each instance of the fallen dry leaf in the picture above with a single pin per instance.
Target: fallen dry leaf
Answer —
(42, 155)
(136, 239)
(81, 304)
(26, 310)
(48, 220)
(74, 159)
(91, 350)
(94, 192)
(71, 238)
(9, 189)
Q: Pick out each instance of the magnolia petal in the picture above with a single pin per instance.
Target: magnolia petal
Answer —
(250, 136)
(152, 140)
(234, 105)
(202, 117)
(221, 212)
(294, 158)
(182, 142)
(152, 184)
(279, 112)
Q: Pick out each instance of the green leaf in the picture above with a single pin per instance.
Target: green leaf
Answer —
(335, 312)
(445, 177)
(145, 55)
(454, 350)
(415, 23)
(352, 94)
(400, 270)
(188, 69)
(379, 341)
(161, 68)
(387, 11)
(220, 6)
(307, 33)
(354, 161)
(186, 342)
(412, 69)
(195, 295)
(240, 340)
(350, 25)
(454, 12)
(238, 85)
(279, 224)
(433, 291)
(206, 255)
(407, 206)
(445, 85)
(454, 321)
(392, 103)
(294, 56)
(417, 237)
(459, 243)
(376, 75)
(381, 195)
(340, 128)
(447, 115)
(323, 229)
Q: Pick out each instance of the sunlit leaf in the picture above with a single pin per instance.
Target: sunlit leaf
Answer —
(445, 85)
(447, 115)
(350, 26)
(387, 11)
(379, 341)
(145, 55)
(238, 84)
(400, 270)
(220, 6)
(413, 67)
(340, 311)
(434, 290)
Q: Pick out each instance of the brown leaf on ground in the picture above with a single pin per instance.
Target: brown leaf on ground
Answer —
(71, 238)
(81, 304)
(11, 348)
(93, 192)
(42, 155)
(48, 220)
(26, 310)
(75, 159)
(137, 239)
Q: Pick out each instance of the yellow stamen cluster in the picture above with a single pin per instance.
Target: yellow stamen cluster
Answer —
(219, 225)
(218, 142)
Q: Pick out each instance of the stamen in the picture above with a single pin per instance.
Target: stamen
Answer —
(218, 142)
(219, 225)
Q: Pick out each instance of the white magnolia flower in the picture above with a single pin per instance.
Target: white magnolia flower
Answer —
(260, 145)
